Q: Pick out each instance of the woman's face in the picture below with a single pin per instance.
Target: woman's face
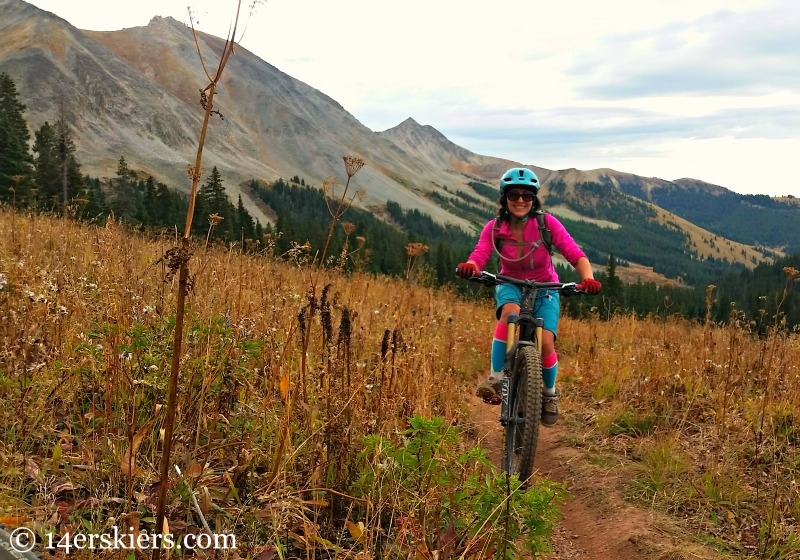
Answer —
(519, 202)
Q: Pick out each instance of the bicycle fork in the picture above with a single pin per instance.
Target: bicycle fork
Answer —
(511, 351)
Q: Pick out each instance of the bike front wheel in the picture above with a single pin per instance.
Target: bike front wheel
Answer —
(524, 414)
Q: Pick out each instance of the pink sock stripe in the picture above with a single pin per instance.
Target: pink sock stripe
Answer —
(501, 332)
(550, 360)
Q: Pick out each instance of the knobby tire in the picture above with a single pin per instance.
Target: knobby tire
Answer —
(525, 413)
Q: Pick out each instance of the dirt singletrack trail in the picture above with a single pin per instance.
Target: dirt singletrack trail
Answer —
(598, 524)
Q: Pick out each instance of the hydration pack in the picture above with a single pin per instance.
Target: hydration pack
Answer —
(547, 237)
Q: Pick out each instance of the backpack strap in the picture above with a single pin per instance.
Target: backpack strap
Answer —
(544, 231)
(547, 237)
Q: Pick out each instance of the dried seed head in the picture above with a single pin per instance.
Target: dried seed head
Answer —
(710, 294)
(325, 309)
(215, 219)
(328, 184)
(361, 194)
(416, 249)
(325, 317)
(193, 172)
(361, 240)
(345, 327)
(385, 344)
(352, 164)
(348, 227)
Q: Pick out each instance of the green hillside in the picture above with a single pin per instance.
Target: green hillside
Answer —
(640, 237)
(751, 219)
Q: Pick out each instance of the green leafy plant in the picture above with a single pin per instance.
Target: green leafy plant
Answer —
(424, 495)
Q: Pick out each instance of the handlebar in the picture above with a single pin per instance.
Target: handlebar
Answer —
(566, 288)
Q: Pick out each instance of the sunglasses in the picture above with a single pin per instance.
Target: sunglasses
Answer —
(527, 196)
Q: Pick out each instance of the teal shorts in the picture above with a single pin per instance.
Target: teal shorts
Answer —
(547, 306)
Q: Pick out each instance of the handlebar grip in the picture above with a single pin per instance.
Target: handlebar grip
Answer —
(581, 289)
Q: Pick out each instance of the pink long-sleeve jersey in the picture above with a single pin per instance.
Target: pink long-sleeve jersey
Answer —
(532, 262)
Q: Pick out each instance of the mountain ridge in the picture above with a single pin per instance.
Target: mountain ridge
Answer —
(135, 92)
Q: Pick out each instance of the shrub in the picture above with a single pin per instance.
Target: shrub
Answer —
(424, 495)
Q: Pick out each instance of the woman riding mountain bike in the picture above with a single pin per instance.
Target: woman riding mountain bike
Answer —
(523, 245)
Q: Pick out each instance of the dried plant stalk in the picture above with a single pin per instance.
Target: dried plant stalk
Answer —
(182, 256)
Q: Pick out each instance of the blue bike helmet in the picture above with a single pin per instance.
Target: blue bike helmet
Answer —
(519, 177)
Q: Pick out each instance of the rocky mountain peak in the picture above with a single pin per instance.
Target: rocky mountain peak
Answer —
(135, 93)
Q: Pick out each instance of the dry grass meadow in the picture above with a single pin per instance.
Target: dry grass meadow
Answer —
(286, 369)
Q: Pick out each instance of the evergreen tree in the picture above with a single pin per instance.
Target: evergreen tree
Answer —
(93, 200)
(123, 196)
(46, 171)
(212, 199)
(56, 170)
(15, 158)
(170, 211)
(245, 225)
(285, 233)
(258, 235)
(213, 193)
(71, 180)
(612, 286)
(150, 203)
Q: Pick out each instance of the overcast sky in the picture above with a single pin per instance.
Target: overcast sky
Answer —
(707, 89)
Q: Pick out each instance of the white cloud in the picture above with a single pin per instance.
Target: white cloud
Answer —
(706, 89)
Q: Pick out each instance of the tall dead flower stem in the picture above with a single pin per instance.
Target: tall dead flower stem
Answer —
(352, 165)
(178, 260)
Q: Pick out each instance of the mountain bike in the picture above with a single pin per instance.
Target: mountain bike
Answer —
(521, 386)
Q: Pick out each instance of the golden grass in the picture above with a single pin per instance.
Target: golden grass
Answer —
(708, 414)
(286, 369)
(709, 245)
(283, 372)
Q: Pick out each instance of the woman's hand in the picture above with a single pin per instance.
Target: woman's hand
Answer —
(590, 286)
(468, 270)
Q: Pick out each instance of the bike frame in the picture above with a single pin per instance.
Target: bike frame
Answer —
(523, 329)
(523, 353)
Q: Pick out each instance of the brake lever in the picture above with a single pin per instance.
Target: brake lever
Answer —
(485, 278)
(572, 289)
(579, 289)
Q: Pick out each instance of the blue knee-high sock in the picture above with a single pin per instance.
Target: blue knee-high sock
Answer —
(499, 348)
(549, 378)
(498, 355)
(549, 373)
